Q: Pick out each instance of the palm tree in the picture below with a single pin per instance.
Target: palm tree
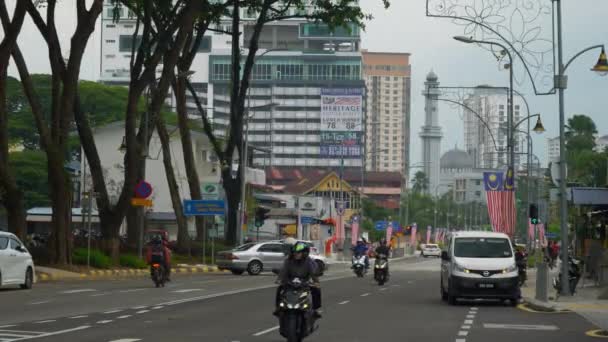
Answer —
(580, 134)
(420, 183)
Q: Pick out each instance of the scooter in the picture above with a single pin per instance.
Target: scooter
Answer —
(522, 271)
(296, 319)
(359, 265)
(159, 274)
(381, 269)
(574, 275)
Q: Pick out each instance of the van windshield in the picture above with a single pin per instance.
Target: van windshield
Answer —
(482, 248)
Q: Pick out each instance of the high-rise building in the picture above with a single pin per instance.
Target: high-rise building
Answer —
(388, 80)
(552, 150)
(485, 127)
(307, 96)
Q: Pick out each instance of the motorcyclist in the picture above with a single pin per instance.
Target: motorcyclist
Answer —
(300, 265)
(157, 251)
(361, 249)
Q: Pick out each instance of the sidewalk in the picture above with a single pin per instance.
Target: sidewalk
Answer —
(50, 274)
(585, 301)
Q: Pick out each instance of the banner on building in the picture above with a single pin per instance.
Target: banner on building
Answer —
(342, 109)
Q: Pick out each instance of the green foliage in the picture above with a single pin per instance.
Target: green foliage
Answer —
(30, 171)
(98, 258)
(586, 166)
(132, 261)
(420, 183)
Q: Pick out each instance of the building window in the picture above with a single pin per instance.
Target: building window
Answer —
(126, 43)
(395, 78)
(110, 41)
(387, 78)
(110, 26)
(501, 107)
(477, 182)
(205, 45)
(478, 193)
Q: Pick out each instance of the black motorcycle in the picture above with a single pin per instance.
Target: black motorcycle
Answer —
(159, 274)
(522, 270)
(574, 275)
(381, 269)
(296, 319)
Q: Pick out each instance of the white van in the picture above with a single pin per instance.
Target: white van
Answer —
(478, 265)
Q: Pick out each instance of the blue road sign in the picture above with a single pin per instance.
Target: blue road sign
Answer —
(551, 235)
(308, 220)
(143, 189)
(204, 207)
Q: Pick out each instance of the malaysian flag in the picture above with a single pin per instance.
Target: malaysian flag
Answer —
(541, 235)
(493, 185)
(531, 231)
(389, 232)
(428, 234)
(508, 203)
(414, 233)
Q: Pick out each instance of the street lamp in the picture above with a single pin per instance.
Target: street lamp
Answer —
(505, 50)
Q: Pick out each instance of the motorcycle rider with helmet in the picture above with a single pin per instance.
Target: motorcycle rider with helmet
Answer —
(384, 249)
(360, 249)
(157, 251)
(300, 265)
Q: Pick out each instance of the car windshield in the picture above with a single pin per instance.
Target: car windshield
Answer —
(244, 247)
(482, 248)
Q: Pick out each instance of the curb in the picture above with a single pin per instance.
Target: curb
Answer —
(543, 307)
(105, 274)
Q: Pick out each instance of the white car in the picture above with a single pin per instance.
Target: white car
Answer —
(16, 264)
(431, 249)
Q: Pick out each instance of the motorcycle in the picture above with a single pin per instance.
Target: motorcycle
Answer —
(359, 265)
(158, 275)
(296, 319)
(381, 269)
(522, 270)
(574, 275)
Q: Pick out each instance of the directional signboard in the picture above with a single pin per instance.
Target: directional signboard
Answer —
(204, 207)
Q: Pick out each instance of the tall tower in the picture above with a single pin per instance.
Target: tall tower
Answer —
(431, 132)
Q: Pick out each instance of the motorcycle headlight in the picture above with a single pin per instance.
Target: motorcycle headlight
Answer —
(510, 269)
(460, 268)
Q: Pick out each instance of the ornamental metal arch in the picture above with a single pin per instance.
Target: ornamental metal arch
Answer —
(518, 23)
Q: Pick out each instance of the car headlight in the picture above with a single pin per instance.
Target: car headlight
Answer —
(510, 269)
(460, 268)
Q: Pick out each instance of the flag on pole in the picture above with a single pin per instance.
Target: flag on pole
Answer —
(531, 231)
(428, 234)
(354, 230)
(493, 185)
(541, 235)
(508, 203)
(414, 233)
(389, 232)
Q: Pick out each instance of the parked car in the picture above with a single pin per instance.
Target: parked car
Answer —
(16, 265)
(479, 265)
(431, 249)
(258, 257)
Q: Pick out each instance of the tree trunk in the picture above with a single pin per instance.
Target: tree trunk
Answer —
(183, 238)
(61, 208)
(233, 197)
(16, 212)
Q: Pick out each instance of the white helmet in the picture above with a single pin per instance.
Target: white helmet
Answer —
(290, 241)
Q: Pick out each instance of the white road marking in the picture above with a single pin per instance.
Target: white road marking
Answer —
(468, 321)
(465, 327)
(157, 307)
(127, 340)
(139, 307)
(384, 289)
(470, 316)
(410, 282)
(461, 340)
(131, 290)
(142, 311)
(77, 317)
(105, 321)
(365, 295)
(123, 316)
(474, 308)
(38, 303)
(112, 311)
(47, 321)
(463, 333)
(186, 290)
(520, 327)
(60, 332)
(263, 332)
(395, 285)
(78, 291)
(101, 294)
(344, 302)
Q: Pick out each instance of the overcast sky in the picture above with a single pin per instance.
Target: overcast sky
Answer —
(404, 27)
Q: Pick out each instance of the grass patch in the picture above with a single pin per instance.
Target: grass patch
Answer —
(132, 261)
(98, 258)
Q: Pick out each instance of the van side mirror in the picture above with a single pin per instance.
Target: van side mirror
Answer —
(445, 256)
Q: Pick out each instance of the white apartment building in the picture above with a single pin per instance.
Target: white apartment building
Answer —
(309, 65)
(388, 81)
(552, 150)
(488, 144)
(601, 143)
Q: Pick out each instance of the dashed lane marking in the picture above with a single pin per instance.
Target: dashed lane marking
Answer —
(131, 290)
(78, 291)
(344, 302)
(127, 340)
(470, 316)
(468, 321)
(186, 290)
(123, 316)
(101, 294)
(112, 311)
(538, 327)
(463, 333)
(142, 311)
(365, 295)
(77, 317)
(104, 321)
(40, 302)
(139, 307)
(461, 340)
(263, 332)
(465, 327)
(157, 307)
(384, 289)
(47, 321)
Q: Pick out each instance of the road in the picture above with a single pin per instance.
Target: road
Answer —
(224, 307)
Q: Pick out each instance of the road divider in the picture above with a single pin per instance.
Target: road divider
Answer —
(122, 273)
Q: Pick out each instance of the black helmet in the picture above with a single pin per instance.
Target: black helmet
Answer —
(300, 247)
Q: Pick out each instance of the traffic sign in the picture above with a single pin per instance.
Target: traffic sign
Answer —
(141, 202)
(143, 189)
(204, 207)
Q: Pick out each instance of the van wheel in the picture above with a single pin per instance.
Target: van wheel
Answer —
(29, 279)
(255, 267)
(450, 295)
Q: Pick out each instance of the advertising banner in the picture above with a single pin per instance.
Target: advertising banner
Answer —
(341, 122)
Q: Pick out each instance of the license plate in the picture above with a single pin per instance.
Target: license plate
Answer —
(486, 286)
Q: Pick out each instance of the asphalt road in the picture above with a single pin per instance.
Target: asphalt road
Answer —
(231, 308)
